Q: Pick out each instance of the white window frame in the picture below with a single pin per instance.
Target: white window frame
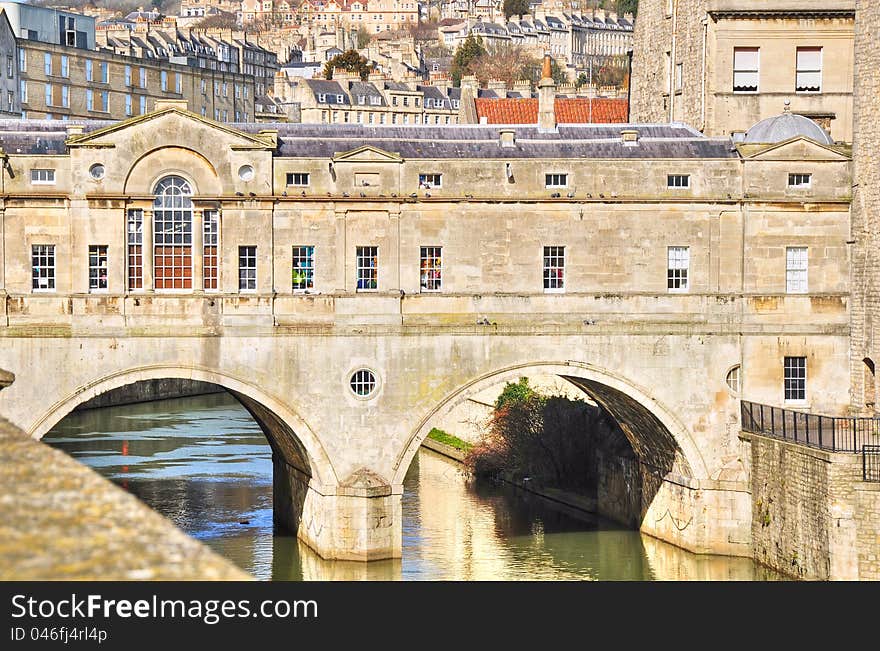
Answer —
(134, 249)
(678, 181)
(42, 176)
(803, 69)
(797, 269)
(303, 260)
(800, 180)
(678, 267)
(247, 284)
(556, 180)
(553, 269)
(211, 239)
(794, 372)
(430, 269)
(40, 252)
(430, 180)
(363, 269)
(740, 69)
(97, 255)
(298, 179)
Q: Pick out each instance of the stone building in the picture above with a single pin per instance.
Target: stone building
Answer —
(10, 86)
(668, 272)
(722, 65)
(866, 208)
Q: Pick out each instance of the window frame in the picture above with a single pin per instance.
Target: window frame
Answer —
(795, 384)
(304, 253)
(363, 253)
(98, 252)
(47, 252)
(50, 176)
(674, 269)
(756, 71)
(430, 269)
(553, 275)
(671, 181)
(797, 270)
(551, 180)
(248, 254)
(794, 176)
(798, 70)
(291, 178)
(426, 180)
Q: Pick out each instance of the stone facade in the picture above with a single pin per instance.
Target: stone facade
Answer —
(866, 211)
(655, 354)
(10, 104)
(813, 516)
(683, 64)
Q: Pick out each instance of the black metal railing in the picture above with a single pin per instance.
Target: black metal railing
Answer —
(871, 463)
(835, 433)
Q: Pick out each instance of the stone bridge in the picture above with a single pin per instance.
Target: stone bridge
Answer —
(340, 458)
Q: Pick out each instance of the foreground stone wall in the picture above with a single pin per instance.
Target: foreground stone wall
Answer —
(73, 524)
(812, 514)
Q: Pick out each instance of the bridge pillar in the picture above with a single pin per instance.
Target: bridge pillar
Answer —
(357, 521)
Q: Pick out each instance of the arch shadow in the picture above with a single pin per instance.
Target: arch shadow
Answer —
(657, 436)
(288, 435)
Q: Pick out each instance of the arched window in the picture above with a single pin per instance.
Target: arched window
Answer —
(870, 383)
(172, 234)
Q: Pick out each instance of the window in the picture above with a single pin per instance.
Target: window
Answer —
(679, 74)
(799, 181)
(90, 99)
(128, 104)
(247, 268)
(678, 181)
(554, 268)
(734, 378)
(178, 83)
(796, 270)
(298, 178)
(339, 99)
(809, 70)
(42, 176)
(555, 180)
(363, 382)
(65, 97)
(204, 87)
(431, 269)
(172, 234)
(22, 60)
(394, 100)
(43, 267)
(678, 261)
(10, 100)
(216, 89)
(22, 85)
(375, 100)
(105, 101)
(163, 80)
(128, 75)
(322, 97)
(303, 268)
(135, 242)
(795, 378)
(225, 89)
(47, 64)
(65, 65)
(49, 95)
(105, 73)
(210, 251)
(746, 64)
(430, 180)
(97, 267)
(143, 77)
(89, 70)
(143, 104)
(405, 101)
(367, 259)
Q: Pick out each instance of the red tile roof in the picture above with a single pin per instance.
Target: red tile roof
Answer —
(568, 110)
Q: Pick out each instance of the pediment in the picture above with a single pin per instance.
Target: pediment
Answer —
(367, 154)
(795, 149)
(166, 124)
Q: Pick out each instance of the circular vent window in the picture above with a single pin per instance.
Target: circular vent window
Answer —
(246, 173)
(96, 171)
(363, 382)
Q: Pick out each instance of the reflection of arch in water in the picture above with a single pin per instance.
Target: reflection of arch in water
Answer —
(656, 435)
(290, 437)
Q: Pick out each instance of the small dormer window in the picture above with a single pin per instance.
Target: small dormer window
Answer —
(339, 99)
(800, 181)
(322, 97)
(678, 181)
(375, 100)
(362, 99)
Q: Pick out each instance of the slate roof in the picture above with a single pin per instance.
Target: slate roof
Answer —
(329, 88)
(568, 110)
(420, 141)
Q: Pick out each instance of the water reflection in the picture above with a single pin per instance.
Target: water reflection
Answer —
(204, 463)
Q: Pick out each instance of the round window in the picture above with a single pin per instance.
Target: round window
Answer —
(246, 173)
(97, 171)
(363, 382)
(733, 378)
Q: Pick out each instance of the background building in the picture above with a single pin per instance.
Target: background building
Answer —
(722, 65)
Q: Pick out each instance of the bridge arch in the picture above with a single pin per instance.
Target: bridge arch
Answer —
(288, 434)
(656, 434)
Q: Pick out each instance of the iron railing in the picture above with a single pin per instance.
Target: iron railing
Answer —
(871, 463)
(834, 433)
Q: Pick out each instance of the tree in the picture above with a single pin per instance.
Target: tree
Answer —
(351, 61)
(464, 55)
(581, 80)
(516, 8)
(627, 7)
(556, 71)
(363, 37)
(224, 20)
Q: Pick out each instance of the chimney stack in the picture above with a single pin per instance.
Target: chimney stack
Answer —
(547, 98)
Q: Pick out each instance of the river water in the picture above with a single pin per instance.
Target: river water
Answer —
(204, 463)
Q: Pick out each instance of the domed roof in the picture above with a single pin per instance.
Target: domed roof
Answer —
(786, 126)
